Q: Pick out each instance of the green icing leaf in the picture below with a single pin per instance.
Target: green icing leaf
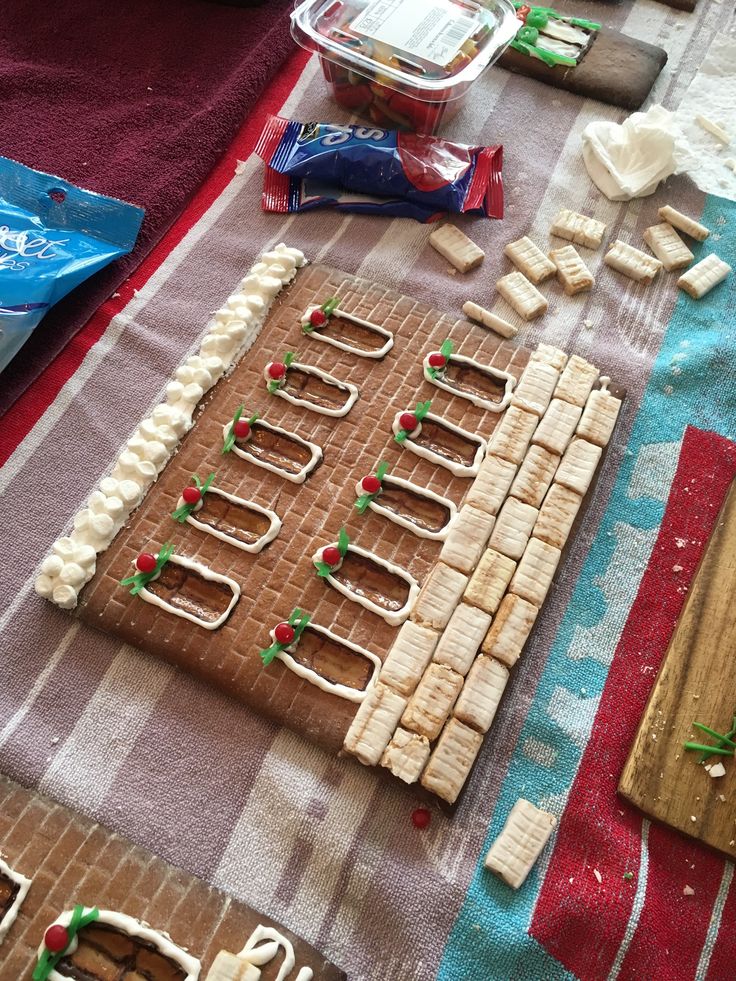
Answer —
(447, 348)
(330, 306)
(290, 358)
(230, 438)
(342, 542)
(382, 470)
(141, 579)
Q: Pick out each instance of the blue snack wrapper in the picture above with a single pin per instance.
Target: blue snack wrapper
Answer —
(53, 236)
(370, 170)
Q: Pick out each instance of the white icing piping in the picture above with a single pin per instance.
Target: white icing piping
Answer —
(394, 617)
(256, 955)
(502, 376)
(296, 478)
(351, 390)
(230, 333)
(24, 885)
(256, 546)
(398, 519)
(133, 928)
(605, 381)
(206, 573)
(458, 469)
(342, 691)
(360, 351)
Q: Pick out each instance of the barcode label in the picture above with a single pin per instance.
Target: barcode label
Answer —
(433, 30)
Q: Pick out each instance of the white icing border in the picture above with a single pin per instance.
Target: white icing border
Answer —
(342, 691)
(438, 536)
(24, 885)
(296, 478)
(133, 928)
(395, 617)
(458, 469)
(256, 956)
(482, 403)
(206, 573)
(360, 351)
(256, 546)
(308, 369)
(232, 330)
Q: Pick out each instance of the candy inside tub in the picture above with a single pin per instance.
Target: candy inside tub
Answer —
(404, 64)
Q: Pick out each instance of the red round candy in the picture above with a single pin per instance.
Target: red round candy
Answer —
(437, 360)
(284, 633)
(421, 818)
(191, 495)
(317, 317)
(408, 421)
(145, 562)
(276, 370)
(56, 938)
(370, 484)
(331, 555)
(241, 429)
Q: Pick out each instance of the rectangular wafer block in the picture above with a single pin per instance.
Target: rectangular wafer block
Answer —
(632, 262)
(491, 486)
(578, 465)
(510, 629)
(534, 476)
(406, 755)
(703, 276)
(438, 597)
(462, 637)
(374, 724)
(535, 388)
(524, 835)
(451, 760)
(556, 515)
(530, 260)
(513, 434)
(578, 228)
(468, 537)
(478, 701)
(599, 417)
(430, 705)
(456, 247)
(687, 225)
(558, 424)
(573, 274)
(522, 295)
(668, 247)
(576, 381)
(490, 581)
(513, 527)
(535, 572)
(410, 654)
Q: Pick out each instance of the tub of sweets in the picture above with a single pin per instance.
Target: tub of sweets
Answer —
(404, 64)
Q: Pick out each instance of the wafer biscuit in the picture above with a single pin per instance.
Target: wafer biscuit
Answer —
(535, 388)
(578, 228)
(578, 465)
(228, 967)
(558, 424)
(548, 354)
(479, 699)
(406, 755)
(510, 629)
(576, 381)
(530, 260)
(456, 247)
(511, 437)
(430, 705)
(410, 654)
(450, 763)
(535, 571)
(703, 276)
(631, 262)
(513, 527)
(668, 247)
(524, 835)
(489, 581)
(497, 324)
(573, 274)
(599, 417)
(438, 597)
(468, 537)
(490, 487)
(374, 724)
(687, 225)
(462, 637)
(522, 295)
(556, 515)
(534, 476)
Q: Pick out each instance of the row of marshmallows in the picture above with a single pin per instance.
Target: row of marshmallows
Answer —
(230, 333)
(443, 679)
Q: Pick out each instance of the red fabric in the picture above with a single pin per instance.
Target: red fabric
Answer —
(582, 923)
(29, 408)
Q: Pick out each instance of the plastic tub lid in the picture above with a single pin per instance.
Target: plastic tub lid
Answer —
(431, 48)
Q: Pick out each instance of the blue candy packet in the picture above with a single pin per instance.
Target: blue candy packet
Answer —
(53, 236)
(370, 170)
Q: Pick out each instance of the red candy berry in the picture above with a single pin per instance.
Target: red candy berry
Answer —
(370, 484)
(331, 555)
(317, 317)
(276, 370)
(421, 818)
(284, 633)
(241, 429)
(437, 360)
(408, 421)
(145, 562)
(56, 938)
(191, 495)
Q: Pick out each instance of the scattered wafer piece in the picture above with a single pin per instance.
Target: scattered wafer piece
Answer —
(631, 262)
(534, 476)
(406, 755)
(490, 580)
(535, 571)
(573, 274)
(514, 852)
(548, 354)
(578, 465)
(576, 381)
(374, 724)
(510, 629)
(668, 247)
(687, 225)
(489, 489)
(556, 515)
(599, 416)
(462, 637)
(450, 763)
(513, 527)
(530, 260)
(703, 276)
(438, 597)
(468, 537)
(535, 388)
(430, 705)
(409, 656)
(558, 424)
(456, 247)
(579, 229)
(522, 295)
(489, 320)
(478, 701)
(511, 436)
(714, 129)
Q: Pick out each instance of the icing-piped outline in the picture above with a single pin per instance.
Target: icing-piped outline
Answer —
(375, 505)
(342, 691)
(206, 573)
(307, 369)
(24, 884)
(296, 478)
(254, 547)
(501, 376)
(361, 352)
(272, 941)
(458, 469)
(133, 928)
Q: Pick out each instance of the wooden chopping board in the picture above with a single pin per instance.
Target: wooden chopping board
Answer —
(697, 682)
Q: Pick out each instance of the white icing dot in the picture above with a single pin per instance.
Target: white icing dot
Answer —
(270, 285)
(184, 374)
(114, 507)
(213, 364)
(64, 547)
(65, 597)
(245, 314)
(85, 555)
(237, 331)
(222, 315)
(96, 501)
(146, 471)
(72, 574)
(109, 486)
(52, 565)
(255, 302)
(102, 525)
(234, 301)
(81, 519)
(155, 451)
(174, 390)
(192, 393)
(249, 282)
(259, 268)
(44, 586)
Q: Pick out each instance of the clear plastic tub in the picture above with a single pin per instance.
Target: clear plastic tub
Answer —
(404, 64)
